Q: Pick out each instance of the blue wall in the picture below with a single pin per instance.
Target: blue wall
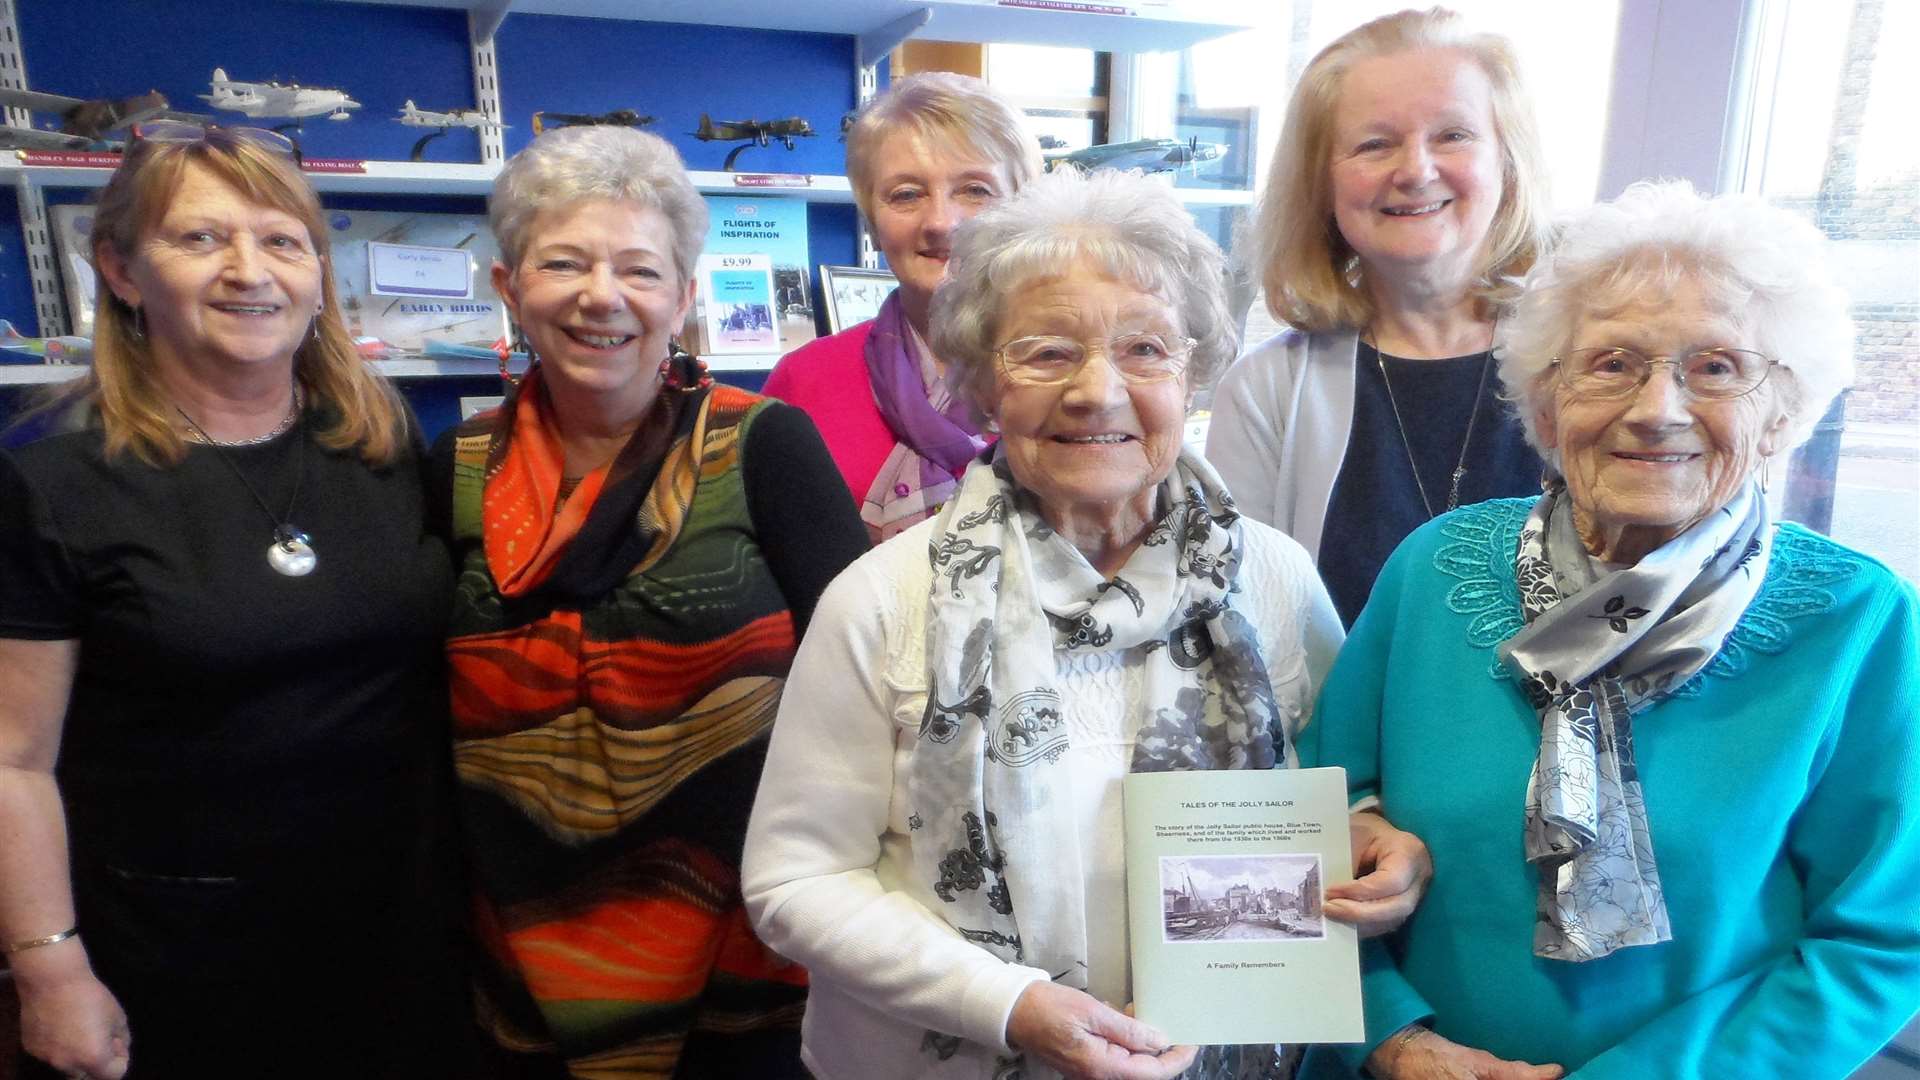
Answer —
(382, 55)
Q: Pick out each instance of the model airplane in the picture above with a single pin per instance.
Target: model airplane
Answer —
(270, 99)
(1147, 155)
(414, 116)
(616, 118)
(752, 133)
(84, 124)
(67, 349)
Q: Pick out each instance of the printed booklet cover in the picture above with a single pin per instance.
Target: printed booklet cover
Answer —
(1226, 874)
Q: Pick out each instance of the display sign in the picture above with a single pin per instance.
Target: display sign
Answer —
(407, 270)
(738, 315)
(776, 229)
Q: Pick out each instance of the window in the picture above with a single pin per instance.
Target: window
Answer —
(1830, 135)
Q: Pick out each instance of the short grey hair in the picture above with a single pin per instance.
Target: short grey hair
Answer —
(1762, 264)
(1131, 226)
(958, 111)
(596, 161)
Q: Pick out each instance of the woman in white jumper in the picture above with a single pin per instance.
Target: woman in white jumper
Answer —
(938, 830)
(1406, 191)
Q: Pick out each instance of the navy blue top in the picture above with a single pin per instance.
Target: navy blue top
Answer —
(1375, 501)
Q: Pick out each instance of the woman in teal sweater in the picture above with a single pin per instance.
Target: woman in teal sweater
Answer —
(1663, 751)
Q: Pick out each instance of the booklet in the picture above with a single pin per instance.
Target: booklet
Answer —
(1226, 874)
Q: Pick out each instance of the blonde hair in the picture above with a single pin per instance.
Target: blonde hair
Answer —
(1312, 277)
(363, 412)
(956, 110)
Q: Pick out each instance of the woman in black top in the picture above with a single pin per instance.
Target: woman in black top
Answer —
(220, 614)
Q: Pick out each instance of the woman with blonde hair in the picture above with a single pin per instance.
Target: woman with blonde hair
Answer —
(1407, 190)
(219, 611)
(932, 152)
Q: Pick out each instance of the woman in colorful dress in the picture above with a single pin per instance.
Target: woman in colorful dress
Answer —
(639, 552)
(932, 152)
(1407, 189)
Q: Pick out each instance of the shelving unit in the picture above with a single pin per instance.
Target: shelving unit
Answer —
(1106, 25)
(440, 178)
(43, 374)
(877, 26)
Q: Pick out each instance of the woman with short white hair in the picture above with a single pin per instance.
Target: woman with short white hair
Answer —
(640, 550)
(934, 150)
(938, 833)
(1673, 786)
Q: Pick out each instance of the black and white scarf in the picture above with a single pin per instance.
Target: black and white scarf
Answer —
(990, 793)
(1600, 643)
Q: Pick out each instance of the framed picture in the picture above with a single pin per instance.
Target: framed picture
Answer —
(854, 294)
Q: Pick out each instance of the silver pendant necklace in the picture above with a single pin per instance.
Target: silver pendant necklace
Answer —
(291, 553)
(1466, 441)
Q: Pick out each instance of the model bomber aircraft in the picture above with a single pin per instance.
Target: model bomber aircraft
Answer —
(759, 133)
(414, 116)
(616, 118)
(84, 124)
(1147, 155)
(271, 99)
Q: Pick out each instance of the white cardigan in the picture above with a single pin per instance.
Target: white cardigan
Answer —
(1282, 415)
(828, 873)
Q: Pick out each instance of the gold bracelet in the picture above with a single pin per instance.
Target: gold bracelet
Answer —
(34, 943)
(1398, 1044)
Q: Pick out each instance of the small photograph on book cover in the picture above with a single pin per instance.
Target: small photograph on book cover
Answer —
(1241, 898)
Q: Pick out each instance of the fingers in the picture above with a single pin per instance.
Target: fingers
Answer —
(1391, 877)
(1372, 917)
(1125, 1032)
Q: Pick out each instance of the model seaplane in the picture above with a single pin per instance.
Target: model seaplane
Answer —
(752, 133)
(1147, 155)
(290, 101)
(414, 116)
(84, 124)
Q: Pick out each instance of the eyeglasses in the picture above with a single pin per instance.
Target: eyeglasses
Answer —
(186, 131)
(1713, 374)
(1139, 358)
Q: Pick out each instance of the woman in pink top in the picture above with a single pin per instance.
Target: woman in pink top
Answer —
(932, 152)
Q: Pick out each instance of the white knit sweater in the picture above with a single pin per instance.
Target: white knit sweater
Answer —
(829, 876)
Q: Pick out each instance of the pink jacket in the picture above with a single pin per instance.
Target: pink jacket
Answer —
(827, 379)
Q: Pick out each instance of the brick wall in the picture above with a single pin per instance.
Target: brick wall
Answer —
(1886, 389)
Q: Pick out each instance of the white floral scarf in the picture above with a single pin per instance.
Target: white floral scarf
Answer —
(1601, 644)
(989, 791)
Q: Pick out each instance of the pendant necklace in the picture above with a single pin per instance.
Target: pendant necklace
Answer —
(291, 553)
(1466, 441)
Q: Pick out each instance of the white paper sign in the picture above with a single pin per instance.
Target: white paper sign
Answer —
(407, 270)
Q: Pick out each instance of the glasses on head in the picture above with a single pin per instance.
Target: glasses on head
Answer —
(186, 131)
(1613, 371)
(1139, 358)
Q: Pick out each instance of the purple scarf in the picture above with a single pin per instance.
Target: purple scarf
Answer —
(942, 442)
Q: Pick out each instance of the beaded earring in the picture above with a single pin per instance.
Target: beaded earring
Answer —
(683, 371)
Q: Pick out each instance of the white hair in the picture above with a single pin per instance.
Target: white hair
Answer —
(1764, 265)
(595, 161)
(1128, 225)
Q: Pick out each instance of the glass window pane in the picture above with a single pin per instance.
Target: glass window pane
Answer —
(1831, 137)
